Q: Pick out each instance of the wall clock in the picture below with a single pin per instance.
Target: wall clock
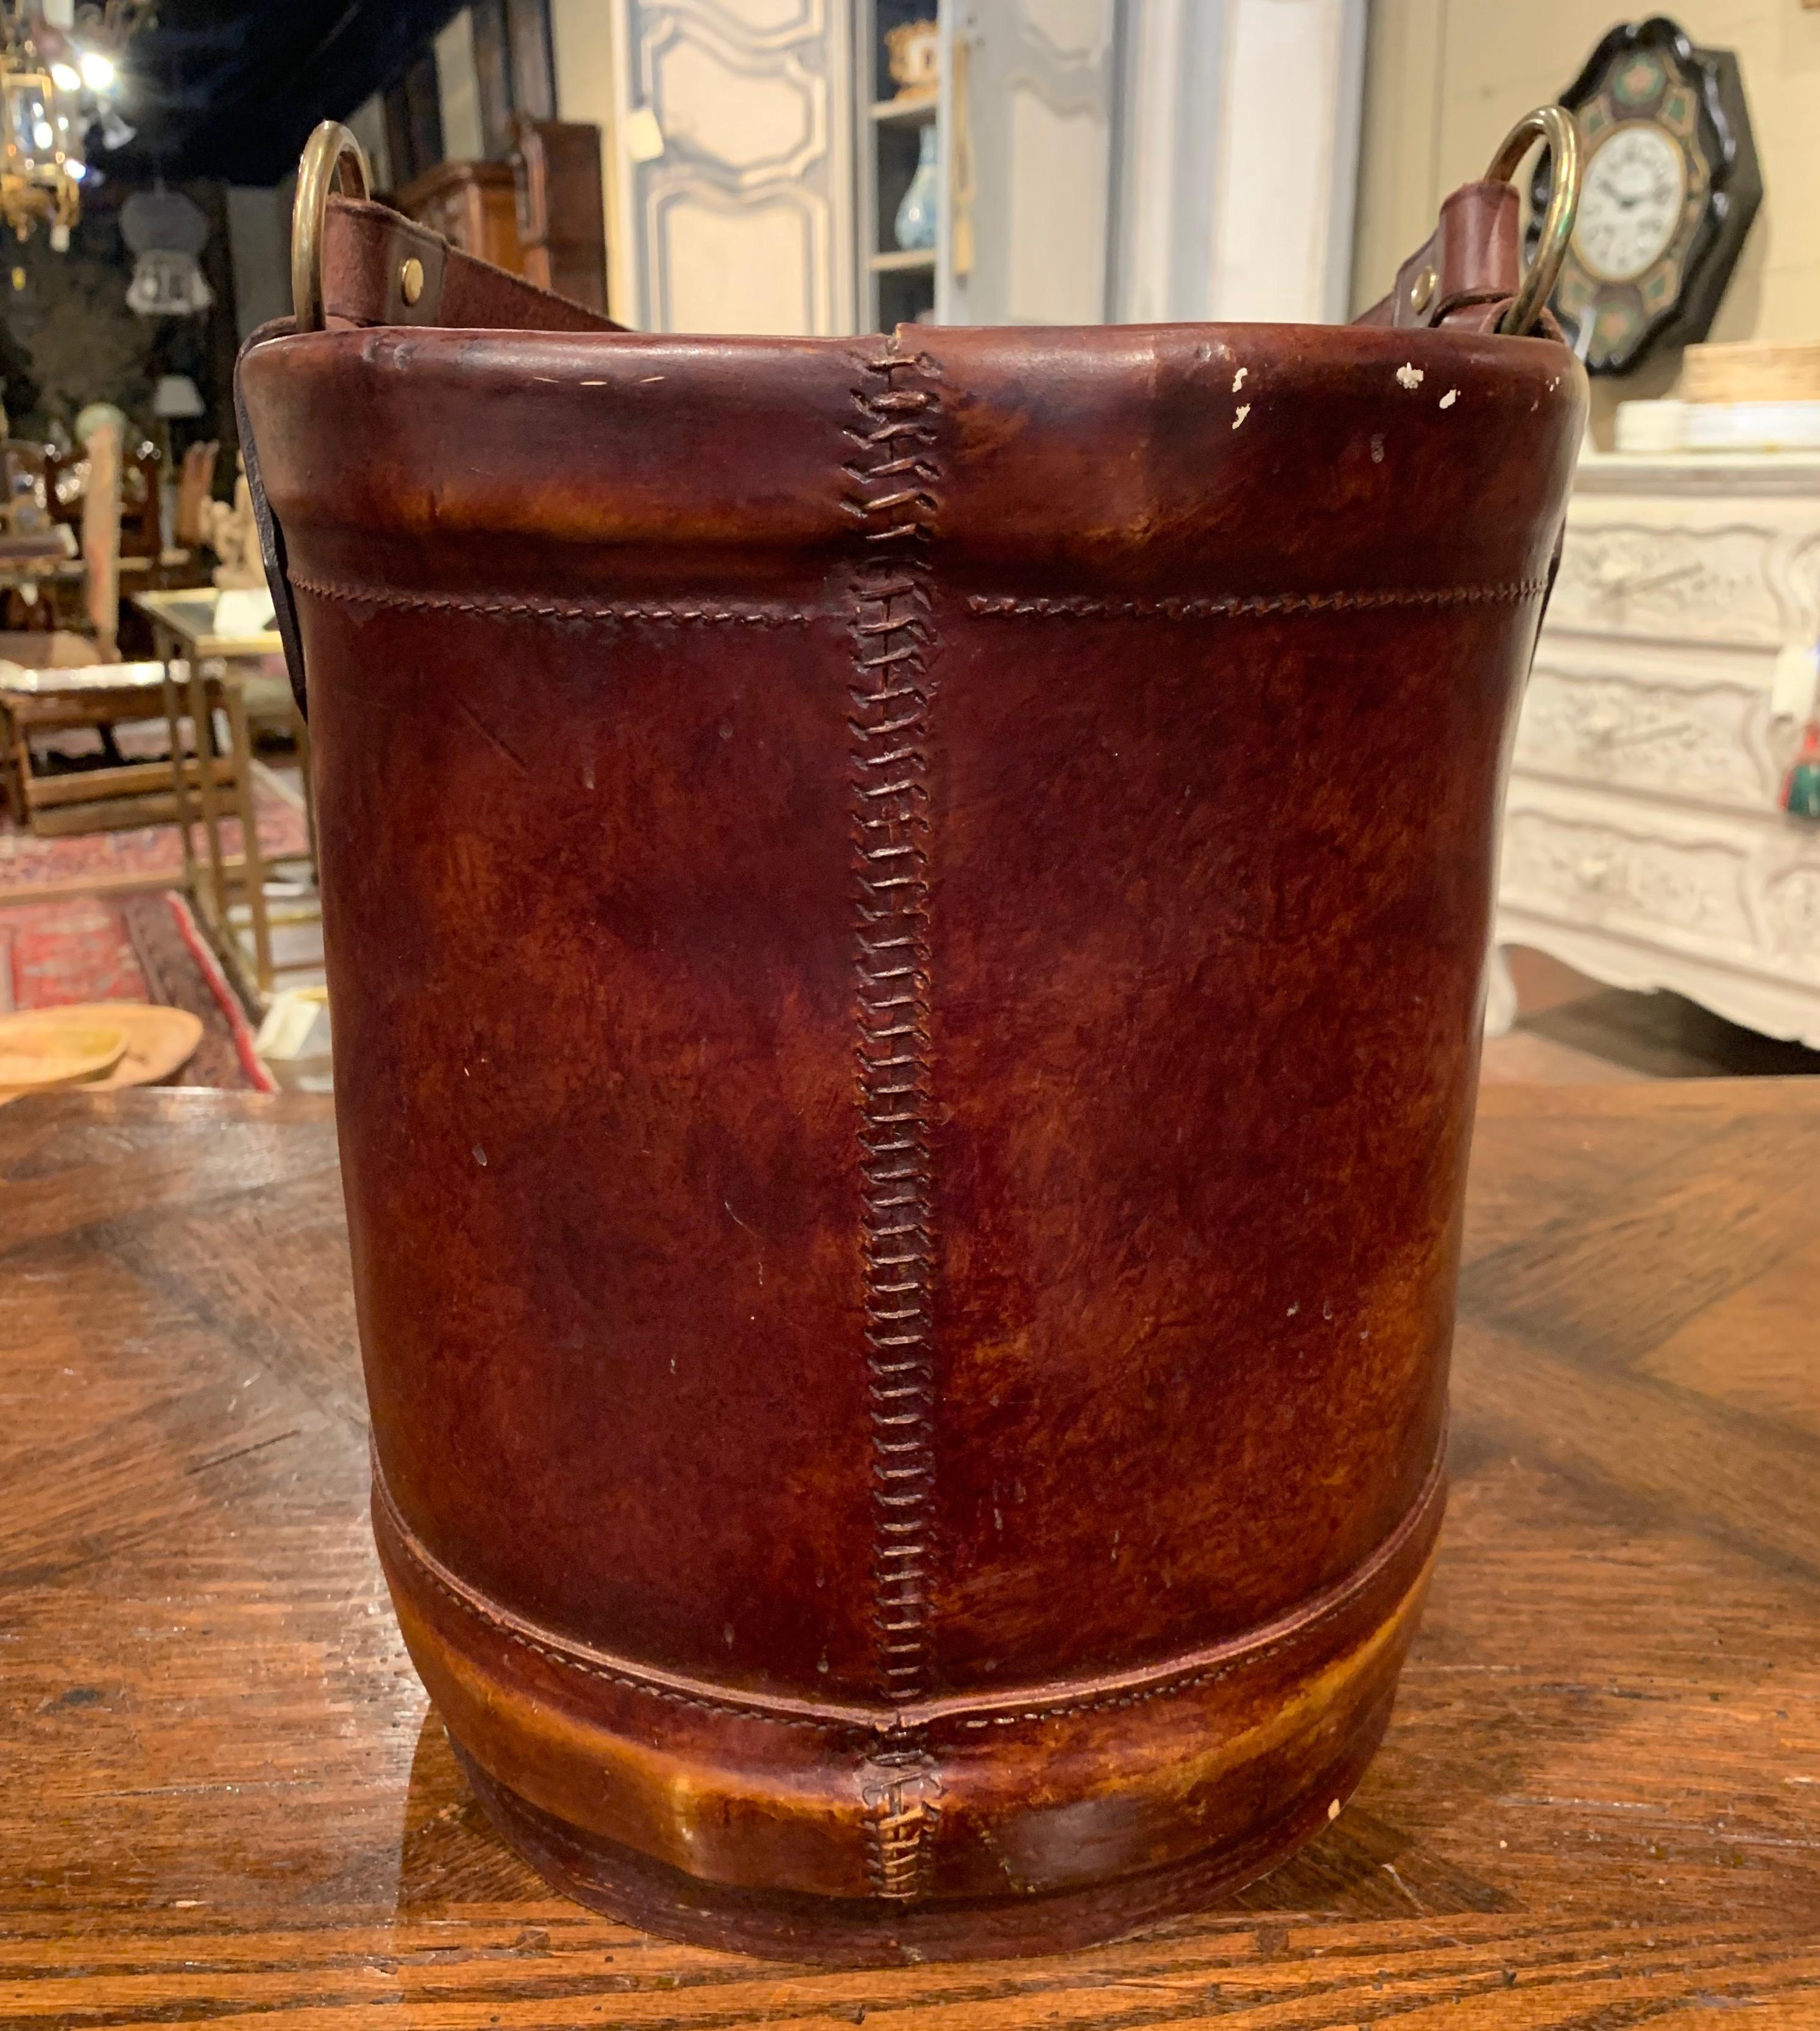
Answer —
(1671, 185)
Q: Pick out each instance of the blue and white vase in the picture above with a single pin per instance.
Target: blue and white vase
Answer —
(914, 226)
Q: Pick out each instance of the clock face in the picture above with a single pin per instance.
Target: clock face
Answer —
(1630, 202)
(1667, 188)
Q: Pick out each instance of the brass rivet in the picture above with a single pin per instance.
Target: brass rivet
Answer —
(1421, 290)
(411, 280)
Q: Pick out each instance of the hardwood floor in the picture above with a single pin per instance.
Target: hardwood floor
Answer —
(1572, 1030)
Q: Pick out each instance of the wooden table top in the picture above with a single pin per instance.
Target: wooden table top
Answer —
(223, 1798)
(54, 682)
(187, 614)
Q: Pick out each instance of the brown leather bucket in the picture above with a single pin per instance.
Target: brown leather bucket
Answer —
(904, 923)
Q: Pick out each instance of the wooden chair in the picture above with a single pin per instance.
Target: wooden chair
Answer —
(101, 538)
(142, 504)
(195, 487)
(22, 462)
(65, 479)
(51, 684)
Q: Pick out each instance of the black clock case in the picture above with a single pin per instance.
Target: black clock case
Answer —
(1724, 123)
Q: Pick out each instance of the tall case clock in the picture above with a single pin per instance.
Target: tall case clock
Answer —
(1670, 187)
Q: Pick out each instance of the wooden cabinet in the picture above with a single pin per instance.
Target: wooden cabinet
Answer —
(763, 152)
(733, 184)
(897, 122)
(473, 205)
(538, 214)
(1137, 160)
(561, 225)
(1028, 136)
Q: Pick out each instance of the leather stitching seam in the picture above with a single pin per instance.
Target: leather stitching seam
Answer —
(988, 607)
(901, 1823)
(891, 498)
(1344, 1596)
(888, 1727)
(506, 604)
(566, 1659)
(1239, 606)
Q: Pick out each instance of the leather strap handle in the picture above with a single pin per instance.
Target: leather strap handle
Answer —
(1469, 271)
(272, 553)
(1471, 262)
(354, 263)
(380, 268)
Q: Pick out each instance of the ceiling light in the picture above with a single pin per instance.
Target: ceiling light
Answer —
(48, 98)
(166, 232)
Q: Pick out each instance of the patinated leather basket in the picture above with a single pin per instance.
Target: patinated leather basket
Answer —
(904, 922)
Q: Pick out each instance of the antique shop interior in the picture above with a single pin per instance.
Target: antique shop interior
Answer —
(831, 168)
(1049, 280)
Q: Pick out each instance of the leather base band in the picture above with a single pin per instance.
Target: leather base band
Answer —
(618, 1781)
(868, 1932)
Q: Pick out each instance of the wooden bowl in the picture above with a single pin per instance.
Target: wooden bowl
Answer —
(151, 1042)
(53, 1047)
(158, 1040)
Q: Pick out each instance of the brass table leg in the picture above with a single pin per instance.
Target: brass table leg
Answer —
(16, 767)
(201, 720)
(300, 729)
(179, 774)
(252, 859)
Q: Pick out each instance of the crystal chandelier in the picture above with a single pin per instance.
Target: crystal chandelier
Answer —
(57, 76)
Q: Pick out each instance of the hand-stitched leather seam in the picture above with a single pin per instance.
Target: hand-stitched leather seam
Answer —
(1242, 606)
(1427, 1505)
(567, 1661)
(901, 1823)
(892, 499)
(989, 606)
(905, 1730)
(508, 606)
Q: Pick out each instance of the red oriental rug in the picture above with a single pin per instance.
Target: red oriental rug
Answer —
(146, 948)
(152, 854)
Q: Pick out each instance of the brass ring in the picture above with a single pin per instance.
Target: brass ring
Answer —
(1554, 126)
(330, 153)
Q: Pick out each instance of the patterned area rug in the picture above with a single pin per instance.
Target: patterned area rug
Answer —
(145, 851)
(146, 948)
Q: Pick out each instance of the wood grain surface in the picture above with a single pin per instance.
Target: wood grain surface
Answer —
(223, 1798)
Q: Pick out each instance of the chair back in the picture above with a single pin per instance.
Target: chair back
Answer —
(101, 537)
(141, 502)
(195, 486)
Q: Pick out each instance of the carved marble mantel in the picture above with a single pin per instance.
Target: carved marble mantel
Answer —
(1642, 840)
